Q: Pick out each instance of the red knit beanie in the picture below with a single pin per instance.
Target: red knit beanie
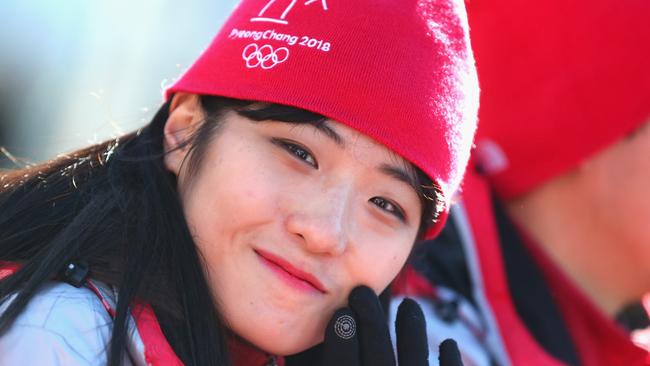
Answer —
(398, 71)
(560, 80)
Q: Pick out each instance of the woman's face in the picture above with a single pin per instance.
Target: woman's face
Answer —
(289, 218)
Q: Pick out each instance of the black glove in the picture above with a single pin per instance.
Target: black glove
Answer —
(449, 355)
(358, 336)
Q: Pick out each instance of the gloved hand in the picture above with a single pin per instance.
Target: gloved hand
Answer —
(448, 354)
(358, 336)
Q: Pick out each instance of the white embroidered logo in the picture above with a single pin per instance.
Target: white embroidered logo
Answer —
(265, 57)
(345, 327)
(279, 12)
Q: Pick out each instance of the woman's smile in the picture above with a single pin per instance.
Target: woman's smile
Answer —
(296, 278)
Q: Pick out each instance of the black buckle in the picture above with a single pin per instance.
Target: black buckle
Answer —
(75, 273)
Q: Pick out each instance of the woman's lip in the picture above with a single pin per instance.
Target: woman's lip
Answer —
(292, 270)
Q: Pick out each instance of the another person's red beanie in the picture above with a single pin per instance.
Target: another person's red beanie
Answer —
(560, 80)
(398, 71)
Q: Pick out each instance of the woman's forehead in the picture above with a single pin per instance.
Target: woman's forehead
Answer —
(352, 138)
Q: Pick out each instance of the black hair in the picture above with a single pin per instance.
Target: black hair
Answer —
(114, 207)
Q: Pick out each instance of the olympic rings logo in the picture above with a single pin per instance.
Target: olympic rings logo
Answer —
(265, 57)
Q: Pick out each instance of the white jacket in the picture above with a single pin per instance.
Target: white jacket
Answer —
(65, 325)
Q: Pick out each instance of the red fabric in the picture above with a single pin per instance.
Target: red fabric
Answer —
(159, 352)
(600, 341)
(105, 303)
(157, 349)
(244, 354)
(400, 72)
(520, 344)
(8, 268)
(560, 81)
(411, 283)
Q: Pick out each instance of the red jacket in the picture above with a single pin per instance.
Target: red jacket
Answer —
(598, 340)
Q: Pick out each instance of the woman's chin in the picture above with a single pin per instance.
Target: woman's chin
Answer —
(285, 343)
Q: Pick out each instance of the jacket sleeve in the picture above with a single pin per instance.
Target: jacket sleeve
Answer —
(61, 325)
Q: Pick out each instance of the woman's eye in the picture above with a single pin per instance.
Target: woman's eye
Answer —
(388, 206)
(298, 151)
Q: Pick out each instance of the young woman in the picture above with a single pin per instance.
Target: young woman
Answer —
(279, 188)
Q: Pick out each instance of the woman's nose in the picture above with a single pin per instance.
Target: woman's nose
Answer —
(321, 222)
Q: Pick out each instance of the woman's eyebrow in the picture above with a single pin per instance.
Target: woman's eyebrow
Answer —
(320, 124)
(324, 127)
(401, 175)
(391, 170)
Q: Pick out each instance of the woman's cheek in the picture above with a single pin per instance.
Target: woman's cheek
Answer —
(391, 260)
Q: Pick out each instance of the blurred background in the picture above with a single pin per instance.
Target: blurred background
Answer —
(75, 72)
